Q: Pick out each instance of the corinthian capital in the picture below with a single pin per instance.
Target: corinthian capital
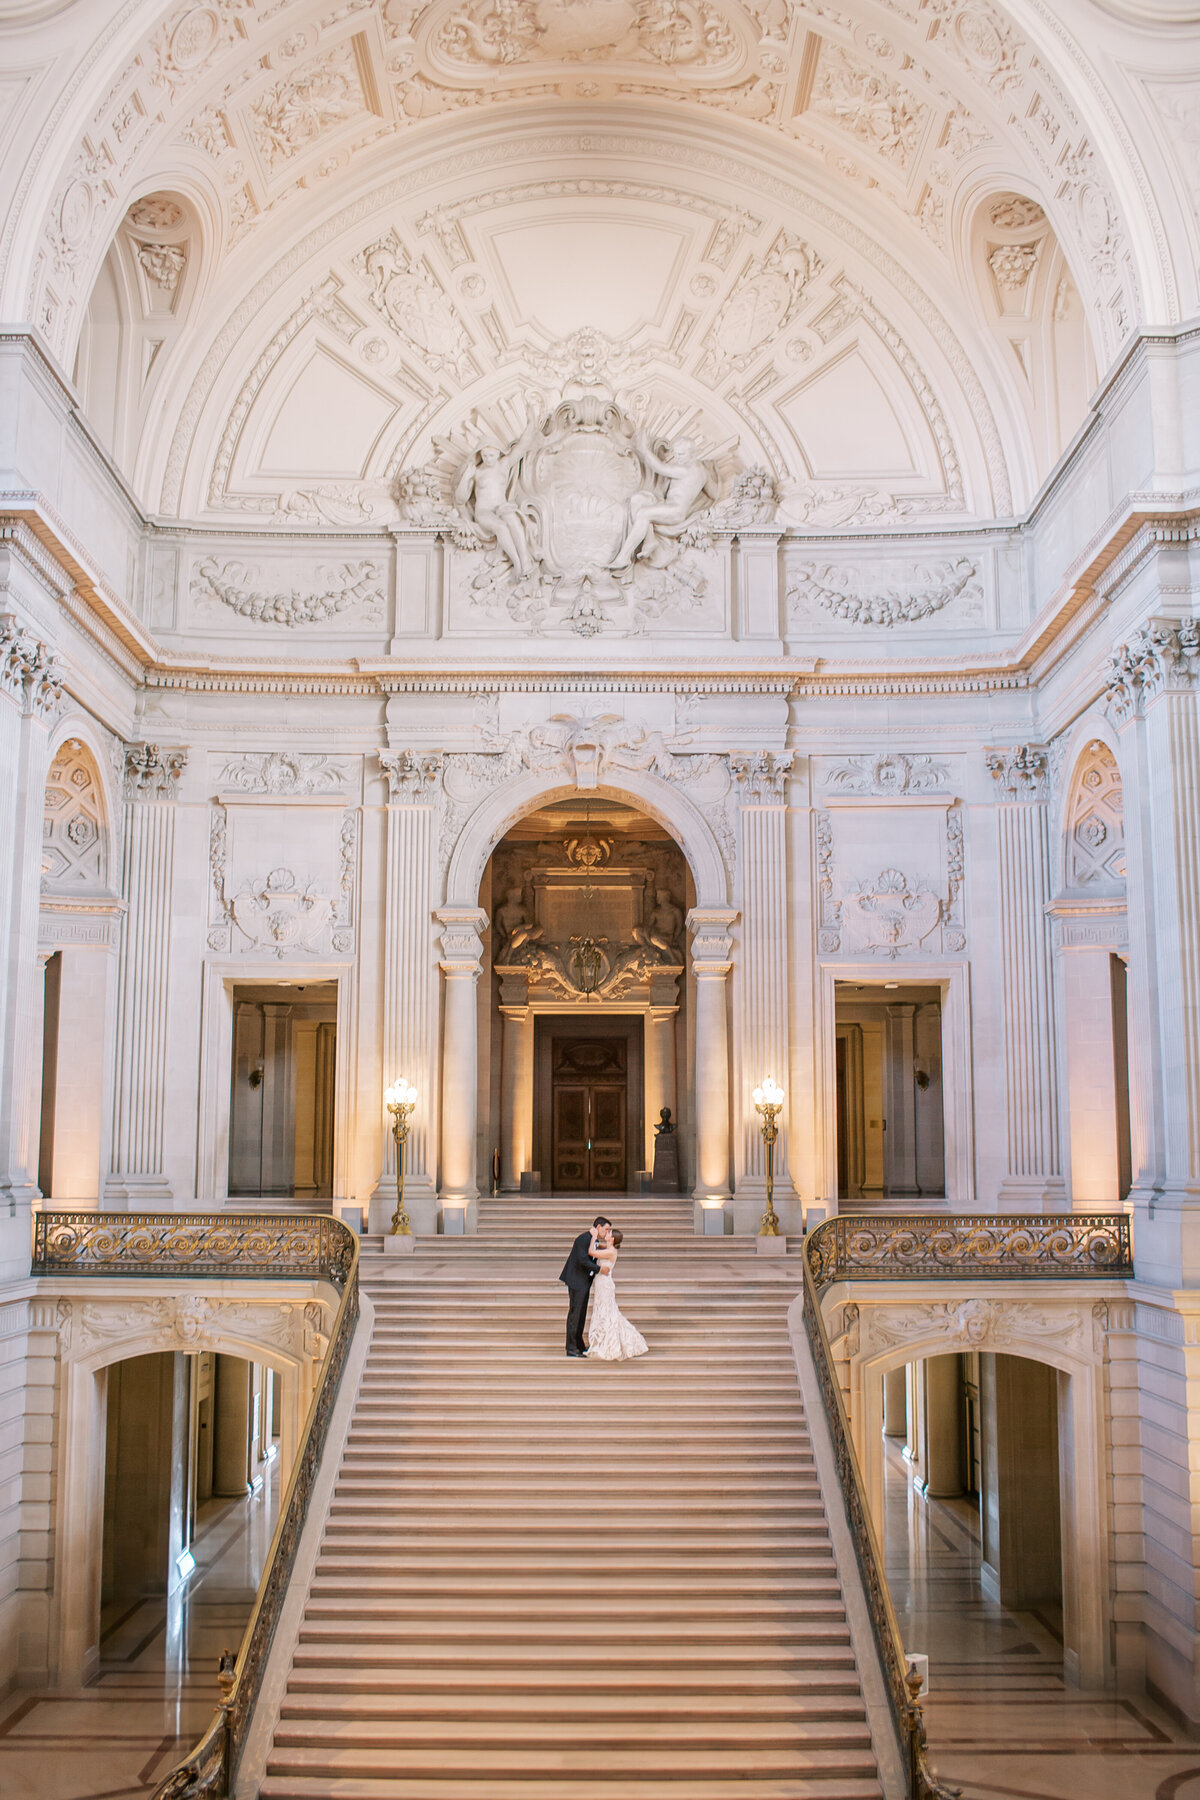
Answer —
(151, 773)
(1021, 771)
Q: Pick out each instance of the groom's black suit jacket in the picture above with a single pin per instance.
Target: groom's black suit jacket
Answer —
(580, 1267)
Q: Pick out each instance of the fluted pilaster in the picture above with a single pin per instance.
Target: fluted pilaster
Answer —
(1034, 1158)
(410, 981)
(139, 1141)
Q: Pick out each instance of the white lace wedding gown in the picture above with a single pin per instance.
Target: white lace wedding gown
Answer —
(611, 1338)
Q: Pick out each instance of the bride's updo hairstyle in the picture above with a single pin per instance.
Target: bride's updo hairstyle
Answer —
(617, 1238)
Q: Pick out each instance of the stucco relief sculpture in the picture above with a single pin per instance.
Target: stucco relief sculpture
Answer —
(582, 510)
(699, 36)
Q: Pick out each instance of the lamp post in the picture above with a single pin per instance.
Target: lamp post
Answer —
(768, 1100)
(401, 1098)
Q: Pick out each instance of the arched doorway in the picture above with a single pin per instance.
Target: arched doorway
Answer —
(588, 1010)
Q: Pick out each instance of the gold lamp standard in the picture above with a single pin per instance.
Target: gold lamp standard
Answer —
(401, 1098)
(768, 1100)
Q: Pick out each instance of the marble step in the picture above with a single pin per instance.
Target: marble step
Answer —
(598, 1785)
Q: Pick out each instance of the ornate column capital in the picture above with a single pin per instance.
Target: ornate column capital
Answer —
(28, 670)
(712, 945)
(462, 940)
(1021, 772)
(151, 773)
(761, 776)
(411, 777)
(1163, 657)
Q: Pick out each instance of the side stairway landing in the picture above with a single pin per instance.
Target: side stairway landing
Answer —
(548, 1578)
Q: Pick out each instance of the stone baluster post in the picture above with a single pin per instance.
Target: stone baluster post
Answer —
(410, 993)
(461, 964)
(711, 963)
(138, 1174)
(1033, 1179)
(31, 694)
(762, 984)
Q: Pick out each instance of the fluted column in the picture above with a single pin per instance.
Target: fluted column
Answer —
(711, 963)
(461, 963)
(1033, 1176)
(410, 992)
(138, 1174)
(31, 695)
(762, 982)
(516, 1096)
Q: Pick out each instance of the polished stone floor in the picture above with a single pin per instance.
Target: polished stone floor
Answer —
(157, 1688)
(1002, 1721)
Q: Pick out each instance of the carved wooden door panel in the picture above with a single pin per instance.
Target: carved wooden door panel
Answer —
(589, 1101)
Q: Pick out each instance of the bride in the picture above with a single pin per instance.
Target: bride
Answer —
(611, 1338)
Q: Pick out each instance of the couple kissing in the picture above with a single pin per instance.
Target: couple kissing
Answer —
(588, 1270)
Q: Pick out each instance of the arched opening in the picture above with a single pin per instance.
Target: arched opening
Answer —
(586, 1031)
(1092, 948)
(977, 1460)
(172, 1463)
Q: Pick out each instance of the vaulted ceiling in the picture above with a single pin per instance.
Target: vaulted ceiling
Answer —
(295, 252)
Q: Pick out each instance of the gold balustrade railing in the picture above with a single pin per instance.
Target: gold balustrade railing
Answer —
(965, 1248)
(229, 1247)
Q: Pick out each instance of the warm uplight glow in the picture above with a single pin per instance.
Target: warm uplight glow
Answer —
(769, 1094)
(401, 1094)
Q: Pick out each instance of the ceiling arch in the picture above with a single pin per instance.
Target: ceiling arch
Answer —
(886, 112)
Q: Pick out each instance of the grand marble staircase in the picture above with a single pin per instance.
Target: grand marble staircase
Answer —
(551, 1578)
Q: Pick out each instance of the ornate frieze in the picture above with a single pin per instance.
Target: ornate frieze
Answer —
(888, 772)
(152, 773)
(283, 772)
(981, 1324)
(871, 596)
(357, 589)
(277, 911)
(1163, 657)
(1022, 772)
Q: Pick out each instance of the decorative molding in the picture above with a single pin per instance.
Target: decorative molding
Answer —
(406, 296)
(890, 913)
(28, 670)
(411, 777)
(191, 1322)
(761, 778)
(281, 773)
(151, 773)
(761, 304)
(462, 929)
(980, 1324)
(889, 772)
(1022, 772)
(712, 941)
(863, 595)
(328, 593)
(1095, 823)
(1163, 657)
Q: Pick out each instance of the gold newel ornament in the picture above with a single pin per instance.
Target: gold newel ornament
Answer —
(768, 1100)
(401, 1099)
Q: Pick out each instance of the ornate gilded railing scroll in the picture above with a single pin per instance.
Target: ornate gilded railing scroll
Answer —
(846, 1248)
(201, 1246)
(971, 1247)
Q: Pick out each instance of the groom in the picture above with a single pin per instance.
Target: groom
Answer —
(578, 1272)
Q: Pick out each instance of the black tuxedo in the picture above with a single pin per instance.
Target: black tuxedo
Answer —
(578, 1272)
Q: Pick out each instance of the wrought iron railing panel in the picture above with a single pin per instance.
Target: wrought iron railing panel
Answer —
(204, 1247)
(971, 1247)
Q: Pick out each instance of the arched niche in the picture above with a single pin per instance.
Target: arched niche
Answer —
(77, 841)
(1094, 824)
(1032, 305)
(141, 299)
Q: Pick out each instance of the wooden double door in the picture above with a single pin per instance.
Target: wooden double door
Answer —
(590, 1087)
